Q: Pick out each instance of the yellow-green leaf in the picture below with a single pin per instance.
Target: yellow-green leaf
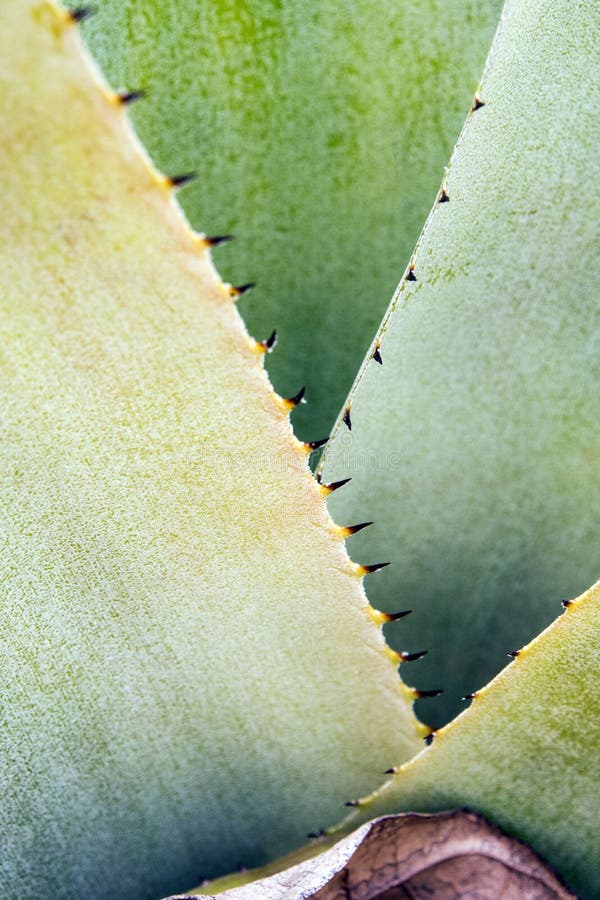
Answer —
(475, 446)
(319, 132)
(190, 676)
(526, 753)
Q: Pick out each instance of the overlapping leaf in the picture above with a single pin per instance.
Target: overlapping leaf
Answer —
(475, 446)
(319, 132)
(190, 678)
(525, 753)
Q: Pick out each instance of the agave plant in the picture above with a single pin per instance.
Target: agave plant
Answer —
(194, 678)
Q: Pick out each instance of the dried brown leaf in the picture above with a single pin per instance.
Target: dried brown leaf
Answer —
(447, 856)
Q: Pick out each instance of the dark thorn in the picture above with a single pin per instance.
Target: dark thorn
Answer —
(270, 342)
(429, 738)
(411, 274)
(377, 356)
(128, 97)
(477, 104)
(391, 771)
(512, 654)
(218, 239)
(84, 12)
(566, 603)
(411, 657)
(423, 694)
(347, 420)
(178, 181)
(443, 198)
(374, 567)
(298, 398)
(393, 617)
(352, 803)
(315, 835)
(314, 445)
(240, 289)
(354, 529)
(336, 485)
(470, 696)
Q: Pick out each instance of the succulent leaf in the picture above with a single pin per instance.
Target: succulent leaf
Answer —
(319, 132)
(190, 675)
(475, 444)
(525, 753)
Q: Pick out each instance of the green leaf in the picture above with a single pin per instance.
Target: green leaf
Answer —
(475, 446)
(319, 132)
(191, 679)
(525, 753)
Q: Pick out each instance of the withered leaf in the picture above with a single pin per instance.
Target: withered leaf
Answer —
(448, 856)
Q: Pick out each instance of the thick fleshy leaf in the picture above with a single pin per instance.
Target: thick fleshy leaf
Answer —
(525, 754)
(190, 676)
(319, 132)
(446, 856)
(475, 445)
